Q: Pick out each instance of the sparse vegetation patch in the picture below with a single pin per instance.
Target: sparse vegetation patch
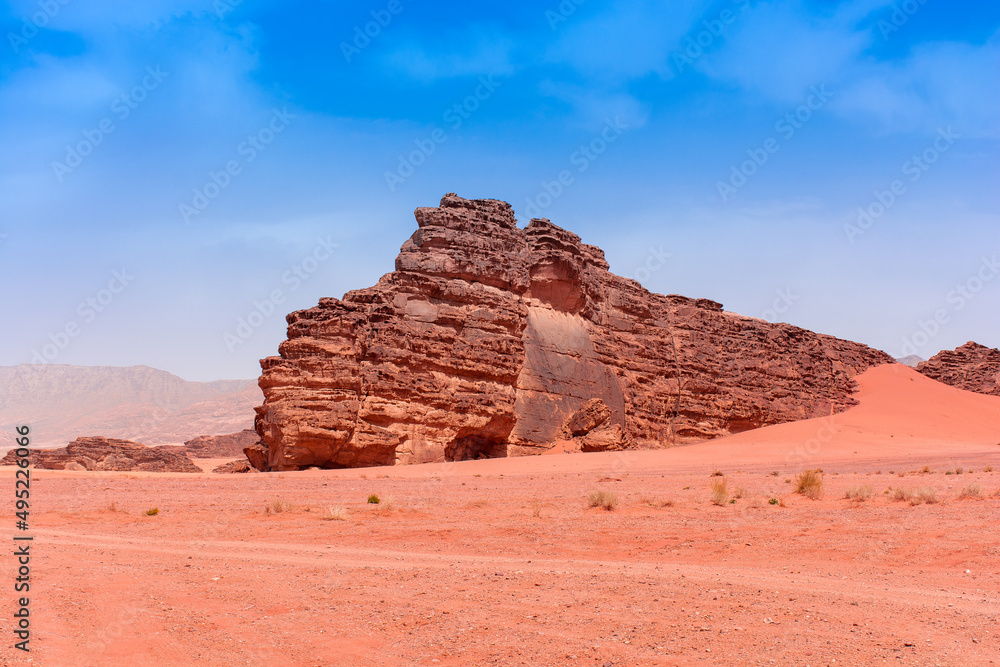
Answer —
(720, 491)
(809, 483)
(607, 500)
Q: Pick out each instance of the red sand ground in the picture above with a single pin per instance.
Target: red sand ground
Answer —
(503, 563)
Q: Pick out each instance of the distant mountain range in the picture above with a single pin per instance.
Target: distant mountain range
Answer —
(61, 403)
(910, 360)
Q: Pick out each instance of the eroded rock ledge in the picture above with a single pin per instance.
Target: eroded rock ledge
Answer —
(487, 340)
(972, 367)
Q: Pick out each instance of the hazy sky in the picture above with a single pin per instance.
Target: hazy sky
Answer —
(169, 166)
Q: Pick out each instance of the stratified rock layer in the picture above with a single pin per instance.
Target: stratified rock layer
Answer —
(487, 338)
(96, 453)
(972, 367)
(221, 446)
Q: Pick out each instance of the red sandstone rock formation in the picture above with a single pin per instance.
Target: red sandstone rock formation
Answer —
(972, 367)
(487, 339)
(233, 467)
(221, 446)
(96, 453)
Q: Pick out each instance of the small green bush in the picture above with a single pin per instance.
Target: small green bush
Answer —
(373, 499)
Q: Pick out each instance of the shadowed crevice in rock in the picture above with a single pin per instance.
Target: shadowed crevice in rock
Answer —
(487, 338)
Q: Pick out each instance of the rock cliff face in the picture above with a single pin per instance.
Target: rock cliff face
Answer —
(489, 341)
(972, 367)
(96, 453)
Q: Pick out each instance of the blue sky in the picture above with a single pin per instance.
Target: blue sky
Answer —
(169, 167)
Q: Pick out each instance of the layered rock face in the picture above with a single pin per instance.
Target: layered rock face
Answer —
(96, 453)
(221, 446)
(488, 341)
(972, 367)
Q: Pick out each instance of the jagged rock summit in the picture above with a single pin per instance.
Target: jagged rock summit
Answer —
(972, 367)
(489, 341)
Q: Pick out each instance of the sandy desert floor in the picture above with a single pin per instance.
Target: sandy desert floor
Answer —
(503, 562)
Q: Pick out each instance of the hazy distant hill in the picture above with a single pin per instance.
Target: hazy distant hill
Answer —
(911, 360)
(137, 403)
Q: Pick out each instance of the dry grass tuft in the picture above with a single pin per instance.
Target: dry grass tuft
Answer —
(717, 473)
(336, 513)
(859, 493)
(277, 506)
(902, 495)
(720, 491)
(152, 511)
(809, 483)
(973, 491)
(924, 494)
(607, 500)
(536, 509)
(741, 492)
(926, 470)
(988, 469)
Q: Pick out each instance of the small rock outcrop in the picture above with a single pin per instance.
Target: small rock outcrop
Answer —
(233, 467)
(97, 453)
(221, 446)
(592, 429)
(257, 456)
(487, 339)
(972, 367)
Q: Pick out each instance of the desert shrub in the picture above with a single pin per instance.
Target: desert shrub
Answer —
(335, 513)
(152, 511)
(773, 501)
(720, 491)
(717, 473)
(973, 490)
(925, 469)
(607, 500)
(988, 469)
(809, 483)
(924, 494)
(536, 509)
(277, 506)
(859, 493)
(959, 470)
(373, 499)
(740, 492)
(901, 494)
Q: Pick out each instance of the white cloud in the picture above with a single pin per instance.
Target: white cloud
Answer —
(628, 40)
(945, 83)
(485, 53)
